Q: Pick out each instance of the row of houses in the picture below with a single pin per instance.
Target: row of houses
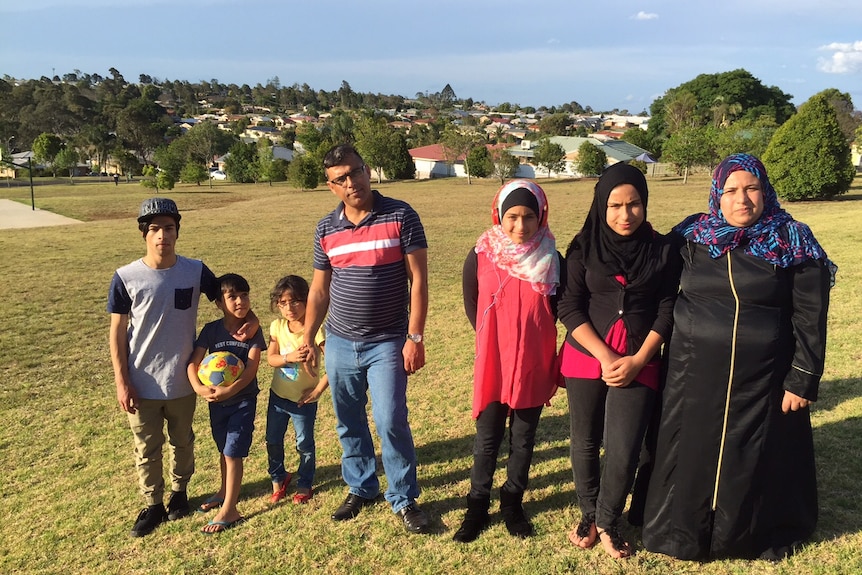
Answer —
(431, 160)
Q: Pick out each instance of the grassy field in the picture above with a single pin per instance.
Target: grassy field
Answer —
(68, 489)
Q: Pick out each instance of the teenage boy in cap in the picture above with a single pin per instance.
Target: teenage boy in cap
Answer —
(153, 304)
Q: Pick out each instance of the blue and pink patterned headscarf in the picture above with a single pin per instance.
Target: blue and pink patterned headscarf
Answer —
(775, 237)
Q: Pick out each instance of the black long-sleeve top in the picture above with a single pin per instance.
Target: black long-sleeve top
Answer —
(602, 300)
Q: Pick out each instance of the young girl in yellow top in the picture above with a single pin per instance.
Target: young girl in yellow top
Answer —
(294, 393)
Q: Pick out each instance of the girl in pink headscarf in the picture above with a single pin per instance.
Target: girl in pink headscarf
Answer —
(510, 281)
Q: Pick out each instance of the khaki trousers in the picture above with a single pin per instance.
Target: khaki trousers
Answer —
(147, 426)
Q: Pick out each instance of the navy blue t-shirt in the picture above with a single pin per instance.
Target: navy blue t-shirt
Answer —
(214, 337)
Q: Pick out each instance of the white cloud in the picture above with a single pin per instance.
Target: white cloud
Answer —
(846, 58)
(645, 16)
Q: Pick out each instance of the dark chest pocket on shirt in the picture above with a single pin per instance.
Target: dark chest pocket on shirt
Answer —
(183, 298)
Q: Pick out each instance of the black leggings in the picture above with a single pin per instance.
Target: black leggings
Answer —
(619, 415)
(490, 430)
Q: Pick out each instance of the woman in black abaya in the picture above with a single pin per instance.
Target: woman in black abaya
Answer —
(734, 473)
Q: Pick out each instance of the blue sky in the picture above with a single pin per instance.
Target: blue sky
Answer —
(606, 54)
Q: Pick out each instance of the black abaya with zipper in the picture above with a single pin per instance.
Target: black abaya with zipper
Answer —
(733, 475)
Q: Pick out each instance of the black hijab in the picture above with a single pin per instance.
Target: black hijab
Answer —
(635, 257)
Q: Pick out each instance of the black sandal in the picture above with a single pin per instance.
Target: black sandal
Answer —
(619, 544)
(582, 531)
(584, 526)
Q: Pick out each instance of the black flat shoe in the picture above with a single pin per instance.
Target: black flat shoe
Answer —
(351, 507)
(148, 519)
(415, 520)
(178, 506)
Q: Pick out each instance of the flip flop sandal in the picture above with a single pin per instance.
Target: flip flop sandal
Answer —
(211, 503)
(222, 526)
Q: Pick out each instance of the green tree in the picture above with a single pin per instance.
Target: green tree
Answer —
(157, 179)
(688, 147)
(479, 162)
(642, 139)
(447, 96)
(45, 148)
(142, 125)
(373, 137)
(126, 160)
(399, 163)
(505, 165)
(809, 157)
(680, 111)
(266, 169)
(457, 144)
(338, 129)
(241, 165)
(555, 124)
(550, 156)
(843, 104)
(96, 140)
(204, 142)
(745, 136)
(591, 159)
(194, 173)
(171, 158)
(66, 159)
(278, 170)
(309, 136)
(304, 172)
(727, 94)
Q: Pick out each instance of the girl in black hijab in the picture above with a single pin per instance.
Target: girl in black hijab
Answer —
(618, 311)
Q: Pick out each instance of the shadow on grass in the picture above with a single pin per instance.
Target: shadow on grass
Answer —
(837, 447)
(553, 429)
(838, 451)
(835, 392)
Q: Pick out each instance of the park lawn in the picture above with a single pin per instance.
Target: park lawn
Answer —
(67, 482)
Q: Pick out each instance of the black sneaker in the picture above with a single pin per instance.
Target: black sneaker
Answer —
(178, 506)
(148, 519)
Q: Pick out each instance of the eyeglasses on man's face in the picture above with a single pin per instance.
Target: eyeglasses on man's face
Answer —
(352, 174)
(293, 303)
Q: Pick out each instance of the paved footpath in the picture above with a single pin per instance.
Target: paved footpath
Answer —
(18, 215)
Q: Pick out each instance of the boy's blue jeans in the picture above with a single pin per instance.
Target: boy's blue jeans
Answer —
(279, 413)
(355, 368)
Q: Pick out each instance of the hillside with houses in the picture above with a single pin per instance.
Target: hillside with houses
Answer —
(81, 125)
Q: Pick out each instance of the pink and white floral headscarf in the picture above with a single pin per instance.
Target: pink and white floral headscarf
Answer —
(535, 260)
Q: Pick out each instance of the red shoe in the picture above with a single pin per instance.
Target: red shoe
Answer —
(281, 492)
(302, 498)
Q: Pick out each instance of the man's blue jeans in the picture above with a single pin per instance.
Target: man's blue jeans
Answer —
(355, 368)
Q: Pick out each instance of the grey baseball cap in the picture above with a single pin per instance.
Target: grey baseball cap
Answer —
(152, 207)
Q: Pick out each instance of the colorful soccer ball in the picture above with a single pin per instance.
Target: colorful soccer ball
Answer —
(220, 368)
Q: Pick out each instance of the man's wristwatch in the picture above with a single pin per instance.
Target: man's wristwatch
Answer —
(415, 337)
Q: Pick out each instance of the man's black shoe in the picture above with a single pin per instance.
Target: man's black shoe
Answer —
(415, 520)
(148, 519)
(178, 505)
(351, 507)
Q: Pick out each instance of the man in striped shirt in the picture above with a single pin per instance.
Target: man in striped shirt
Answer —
(370, 273)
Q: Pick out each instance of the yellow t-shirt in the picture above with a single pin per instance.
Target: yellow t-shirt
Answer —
(290, 381)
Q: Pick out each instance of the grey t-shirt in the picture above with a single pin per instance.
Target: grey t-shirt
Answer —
(162, 305)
